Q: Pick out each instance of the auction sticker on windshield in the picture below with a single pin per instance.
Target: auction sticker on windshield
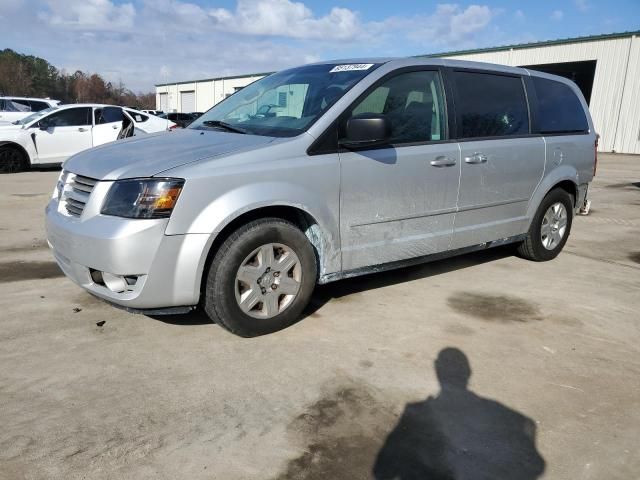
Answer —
(351, 68)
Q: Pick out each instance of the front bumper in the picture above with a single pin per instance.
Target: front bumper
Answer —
(167, 268)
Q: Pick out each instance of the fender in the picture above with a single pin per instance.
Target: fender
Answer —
(234, 203)
(558, 174)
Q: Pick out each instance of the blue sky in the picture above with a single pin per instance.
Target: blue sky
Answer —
(143, 42)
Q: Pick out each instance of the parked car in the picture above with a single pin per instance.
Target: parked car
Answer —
(16, 108)
(54, 134)
(182, 120)
(153, 112)
(364, 167)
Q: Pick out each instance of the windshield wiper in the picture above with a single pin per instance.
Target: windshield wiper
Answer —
(223, 125)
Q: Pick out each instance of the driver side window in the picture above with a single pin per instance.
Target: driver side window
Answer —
(71, 117)
(414, 104)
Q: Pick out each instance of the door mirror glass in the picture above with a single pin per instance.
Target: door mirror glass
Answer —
(366, 129)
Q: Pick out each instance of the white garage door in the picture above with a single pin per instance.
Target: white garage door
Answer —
(163, 102)
(187, 102)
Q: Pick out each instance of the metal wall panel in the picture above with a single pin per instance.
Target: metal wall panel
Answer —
(628, 125)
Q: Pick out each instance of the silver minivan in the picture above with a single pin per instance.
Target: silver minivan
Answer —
(324, 172)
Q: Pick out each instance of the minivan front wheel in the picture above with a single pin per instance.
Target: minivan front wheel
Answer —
(550, 227)
(261, 278)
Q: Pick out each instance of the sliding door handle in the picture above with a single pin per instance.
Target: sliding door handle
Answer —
(476, 158)
(443, 161)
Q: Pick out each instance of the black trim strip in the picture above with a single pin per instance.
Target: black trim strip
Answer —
(435, 213)
(492, 204)
(444, 211)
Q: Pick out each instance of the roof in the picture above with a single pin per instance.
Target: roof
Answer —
(17, 97)
(519, 46)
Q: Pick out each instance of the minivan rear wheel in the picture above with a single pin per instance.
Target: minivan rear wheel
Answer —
(550, 227)
(261, 278)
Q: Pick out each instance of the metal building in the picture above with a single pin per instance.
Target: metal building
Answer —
(200, 95)
(605, 67)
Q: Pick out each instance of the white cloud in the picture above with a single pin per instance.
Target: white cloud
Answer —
(89, 14)
(519, 14)
(582, 5)
(557, 15)
(143, 42)
(286, 19)
(449, 26)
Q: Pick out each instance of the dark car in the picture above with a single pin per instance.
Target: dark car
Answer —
(180, 119)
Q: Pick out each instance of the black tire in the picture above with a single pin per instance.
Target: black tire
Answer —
(219, 296)
(12, 160)
(532, 247)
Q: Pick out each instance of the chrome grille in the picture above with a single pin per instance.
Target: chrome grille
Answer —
(77, 193)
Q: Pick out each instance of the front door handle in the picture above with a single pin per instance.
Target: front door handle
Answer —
(82, 129)
(115, 127)
(476, 158)
(443, 161)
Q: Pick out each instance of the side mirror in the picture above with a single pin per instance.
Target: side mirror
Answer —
(366, 129)
(43, 125)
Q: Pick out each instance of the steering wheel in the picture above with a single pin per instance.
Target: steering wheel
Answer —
(264, 110)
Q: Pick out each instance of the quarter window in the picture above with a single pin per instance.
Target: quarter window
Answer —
(490, 105)
(138, 117)
(414, 104)
(559, 109)
(71, 117)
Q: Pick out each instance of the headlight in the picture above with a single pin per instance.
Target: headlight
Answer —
(143, 198)
(62, 180)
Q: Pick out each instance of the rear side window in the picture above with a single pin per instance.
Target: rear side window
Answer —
(490, 105)
(36, 106)
(559, 109)
(108, 115)
(17, 105)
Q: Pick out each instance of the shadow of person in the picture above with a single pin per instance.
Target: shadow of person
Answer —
(459, 435)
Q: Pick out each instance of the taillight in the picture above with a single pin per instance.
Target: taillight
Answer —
(595, 155)
(173, 127)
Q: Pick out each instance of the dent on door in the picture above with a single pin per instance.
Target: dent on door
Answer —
(497, 181)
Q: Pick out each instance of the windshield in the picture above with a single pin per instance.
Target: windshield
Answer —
(34, 116)
(286, 103)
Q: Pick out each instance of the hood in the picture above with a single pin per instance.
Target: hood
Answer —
(150, 155)
(9, 126)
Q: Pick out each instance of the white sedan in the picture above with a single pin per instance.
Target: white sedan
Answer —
(53, 135)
